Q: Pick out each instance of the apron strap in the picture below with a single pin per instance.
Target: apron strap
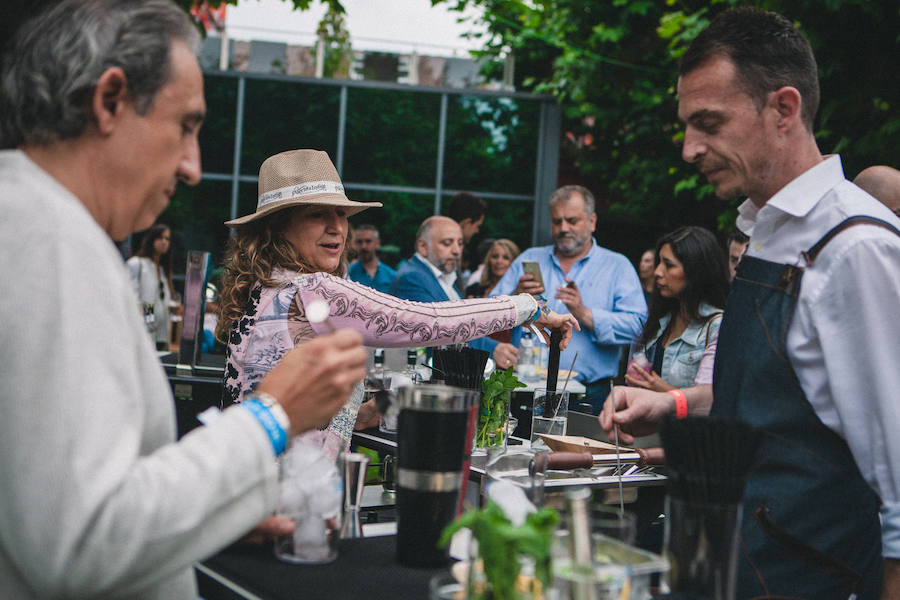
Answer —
(811, 254)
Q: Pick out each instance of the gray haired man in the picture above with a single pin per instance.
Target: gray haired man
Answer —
(102, 101)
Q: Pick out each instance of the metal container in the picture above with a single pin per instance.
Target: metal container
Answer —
(435, 430)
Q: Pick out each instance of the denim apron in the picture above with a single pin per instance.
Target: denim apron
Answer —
(811, 527)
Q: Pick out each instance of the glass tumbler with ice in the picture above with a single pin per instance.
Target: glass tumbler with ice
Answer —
(310, 494)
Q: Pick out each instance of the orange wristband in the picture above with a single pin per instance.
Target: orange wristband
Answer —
(681, 410)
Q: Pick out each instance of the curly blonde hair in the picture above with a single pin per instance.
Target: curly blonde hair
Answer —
(252, 254)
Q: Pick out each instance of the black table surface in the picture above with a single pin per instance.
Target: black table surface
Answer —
(365, 568)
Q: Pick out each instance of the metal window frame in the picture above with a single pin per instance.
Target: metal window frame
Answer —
(546, 153)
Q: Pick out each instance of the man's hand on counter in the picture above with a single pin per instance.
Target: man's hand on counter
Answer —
(313, 381)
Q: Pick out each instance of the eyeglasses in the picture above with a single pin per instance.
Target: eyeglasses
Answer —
(162, 295)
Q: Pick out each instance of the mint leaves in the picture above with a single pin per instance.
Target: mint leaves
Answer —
(493, 411)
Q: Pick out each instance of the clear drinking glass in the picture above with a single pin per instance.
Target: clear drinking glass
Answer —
(549, 415)
(310, 494)
(637, 356)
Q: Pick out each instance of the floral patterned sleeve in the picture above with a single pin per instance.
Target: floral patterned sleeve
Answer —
(389, 322)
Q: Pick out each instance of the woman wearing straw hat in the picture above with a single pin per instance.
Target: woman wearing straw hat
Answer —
(292, 251)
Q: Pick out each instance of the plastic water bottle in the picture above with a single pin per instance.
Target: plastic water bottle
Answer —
(527, 363)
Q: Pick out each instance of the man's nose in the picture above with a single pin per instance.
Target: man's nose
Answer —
(693, 147)
(189, 169)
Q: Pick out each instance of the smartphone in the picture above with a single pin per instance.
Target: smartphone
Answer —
(530, 266)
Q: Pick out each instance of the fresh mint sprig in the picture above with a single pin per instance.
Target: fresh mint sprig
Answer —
(493, 410)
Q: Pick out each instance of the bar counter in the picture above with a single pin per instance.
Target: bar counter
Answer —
(365, 568)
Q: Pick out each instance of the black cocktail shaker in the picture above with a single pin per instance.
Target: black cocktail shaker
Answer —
(434, 442)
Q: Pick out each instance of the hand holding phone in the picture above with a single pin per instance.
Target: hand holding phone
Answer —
(533, 285)
(532, 267)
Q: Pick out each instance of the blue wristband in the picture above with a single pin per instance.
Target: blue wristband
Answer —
(277, 435)
(541, 306)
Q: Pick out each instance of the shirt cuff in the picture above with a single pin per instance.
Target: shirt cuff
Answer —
(526, 305)
(890, 530)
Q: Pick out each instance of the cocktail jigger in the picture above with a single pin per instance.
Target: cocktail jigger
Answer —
(353, 471)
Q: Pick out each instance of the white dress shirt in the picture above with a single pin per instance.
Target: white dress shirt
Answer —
(844, 339)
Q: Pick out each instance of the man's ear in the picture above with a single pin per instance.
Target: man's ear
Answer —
(787, 102)
(108, 98)
(421, 247)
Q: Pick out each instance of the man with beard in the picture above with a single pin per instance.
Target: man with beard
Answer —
(806, 350)
(367, 269)
(430, 276)
(598, 287)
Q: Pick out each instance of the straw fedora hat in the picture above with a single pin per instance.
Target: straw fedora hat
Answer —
(299, 177)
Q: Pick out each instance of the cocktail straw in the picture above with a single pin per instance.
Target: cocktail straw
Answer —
(569, 374)
(563, 393)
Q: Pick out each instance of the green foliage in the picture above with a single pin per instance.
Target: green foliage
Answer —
(338, 50)
(493, 411)
(333, 5)
(612, 66)
(501, 544)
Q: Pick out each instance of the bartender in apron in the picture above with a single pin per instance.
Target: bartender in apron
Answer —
(809, 340)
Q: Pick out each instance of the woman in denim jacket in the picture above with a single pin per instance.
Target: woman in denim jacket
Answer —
(685, 312)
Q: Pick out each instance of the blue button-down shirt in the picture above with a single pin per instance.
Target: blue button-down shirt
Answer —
(609, 286)
(382, 281)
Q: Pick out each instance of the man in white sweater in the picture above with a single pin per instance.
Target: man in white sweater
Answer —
(102, 101)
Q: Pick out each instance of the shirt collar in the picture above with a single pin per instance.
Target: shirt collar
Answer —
(593, 250)
(746, 219)
(449, 278)
(800, 196)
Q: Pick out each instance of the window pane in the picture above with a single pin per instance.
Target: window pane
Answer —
(391, 137)
(509, 219)
(491, 144)
(287, 115)
(217, 133)
(196, 215)
(397, 222)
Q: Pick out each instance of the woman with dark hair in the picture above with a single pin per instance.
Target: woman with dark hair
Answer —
(288, 258)
(685, 312)
(151, 275)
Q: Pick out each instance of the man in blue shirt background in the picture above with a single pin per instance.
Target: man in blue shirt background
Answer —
(598, 287)
(368, 269)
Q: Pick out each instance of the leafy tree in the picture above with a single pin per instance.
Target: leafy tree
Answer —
(338, 51)
(612, 66)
